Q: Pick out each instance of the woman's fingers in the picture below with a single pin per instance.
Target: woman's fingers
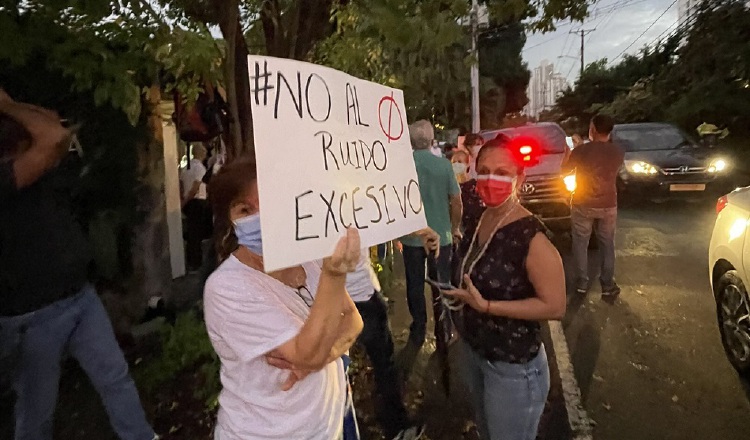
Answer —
(279, 362)
(290, 381)
(353, 246)
(294, 377)
(346, 254)
(457, 293)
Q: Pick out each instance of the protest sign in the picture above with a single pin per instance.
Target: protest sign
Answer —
(332, 151)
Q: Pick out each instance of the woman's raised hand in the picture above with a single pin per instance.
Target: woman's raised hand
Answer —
(346, 255)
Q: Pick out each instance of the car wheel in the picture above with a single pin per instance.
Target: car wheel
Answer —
(733, 314)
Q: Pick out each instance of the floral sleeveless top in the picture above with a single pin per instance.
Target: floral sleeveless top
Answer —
(499, 275)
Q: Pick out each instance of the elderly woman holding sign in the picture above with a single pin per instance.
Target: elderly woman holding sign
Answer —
(301, 317)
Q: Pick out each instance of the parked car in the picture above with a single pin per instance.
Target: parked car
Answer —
(546, 191)
(729, 266)
(662, 161)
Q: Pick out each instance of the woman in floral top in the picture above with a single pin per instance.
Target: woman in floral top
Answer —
(511, 279)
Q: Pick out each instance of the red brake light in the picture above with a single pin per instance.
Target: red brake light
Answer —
(526, 150)
(721, 204)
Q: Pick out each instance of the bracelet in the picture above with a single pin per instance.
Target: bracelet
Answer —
(487, 311)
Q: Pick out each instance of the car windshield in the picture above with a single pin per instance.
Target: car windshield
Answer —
(551, 137)
(648, 138)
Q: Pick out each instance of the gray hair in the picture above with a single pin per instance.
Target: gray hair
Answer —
(422, 134)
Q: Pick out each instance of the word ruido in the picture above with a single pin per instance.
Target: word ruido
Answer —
(297, 96)
(331, 213)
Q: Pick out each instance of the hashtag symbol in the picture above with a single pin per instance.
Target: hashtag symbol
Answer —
(258, 78)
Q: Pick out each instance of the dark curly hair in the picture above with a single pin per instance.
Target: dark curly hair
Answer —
(226, 189)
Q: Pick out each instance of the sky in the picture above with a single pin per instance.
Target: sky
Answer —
(618, 23)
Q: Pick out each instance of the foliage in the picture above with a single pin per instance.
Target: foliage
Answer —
(639, 104)
(384, 269)
(108, 182)
(423, 47)
(500, 60)
(699, 74)
(185, 346)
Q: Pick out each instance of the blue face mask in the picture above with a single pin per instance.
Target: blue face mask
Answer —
(247, 230)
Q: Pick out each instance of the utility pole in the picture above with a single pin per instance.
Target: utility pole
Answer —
(474, 67)
(583, 33)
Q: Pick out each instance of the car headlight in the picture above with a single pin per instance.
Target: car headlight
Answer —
(570, 182)
(718, 166)
(640, 167)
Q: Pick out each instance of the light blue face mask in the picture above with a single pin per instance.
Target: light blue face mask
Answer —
(247, 230)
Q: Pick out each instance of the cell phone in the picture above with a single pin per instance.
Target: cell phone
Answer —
(441, 286)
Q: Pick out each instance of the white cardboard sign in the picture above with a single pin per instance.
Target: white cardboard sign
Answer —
(332, 151)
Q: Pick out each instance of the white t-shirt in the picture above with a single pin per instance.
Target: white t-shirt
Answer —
(248, 314)
(189, 176)
(363, 282)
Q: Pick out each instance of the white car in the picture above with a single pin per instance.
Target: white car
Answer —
(729, 266)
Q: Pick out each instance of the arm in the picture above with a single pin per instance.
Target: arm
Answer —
(570, 161)
(456, 204)
(48, 144)
(545, 270)
(334, 323)
(191, 194)
(430, 240)
(457, 211)
(197, 172)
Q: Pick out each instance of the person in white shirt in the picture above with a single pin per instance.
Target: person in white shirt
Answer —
(195, 207)
(301, 317)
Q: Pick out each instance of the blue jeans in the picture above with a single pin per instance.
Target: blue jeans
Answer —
(508, 398)
(437, 269)
(604, 222)
(37, 340)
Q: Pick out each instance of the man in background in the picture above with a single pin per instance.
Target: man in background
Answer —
(195, 207)
(441, 198)
(596, 164)
(47, 304)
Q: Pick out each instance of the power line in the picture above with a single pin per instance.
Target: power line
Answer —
(583, 33)
(618, 4)
(606, 10)
(608, 19)
(644, 32)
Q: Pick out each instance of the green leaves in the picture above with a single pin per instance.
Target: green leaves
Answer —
(694, 76)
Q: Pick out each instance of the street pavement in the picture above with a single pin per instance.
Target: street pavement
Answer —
(651, 365)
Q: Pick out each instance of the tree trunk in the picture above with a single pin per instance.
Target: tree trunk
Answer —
(151, 262)
(242, 88)
(238, 84)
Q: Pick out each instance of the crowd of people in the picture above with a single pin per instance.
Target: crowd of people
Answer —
(283, 337)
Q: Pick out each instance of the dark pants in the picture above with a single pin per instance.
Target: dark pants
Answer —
(198, 228)
(437, 269)
(378, 342)
(351, 427)
(604, 223)
(37, 340)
